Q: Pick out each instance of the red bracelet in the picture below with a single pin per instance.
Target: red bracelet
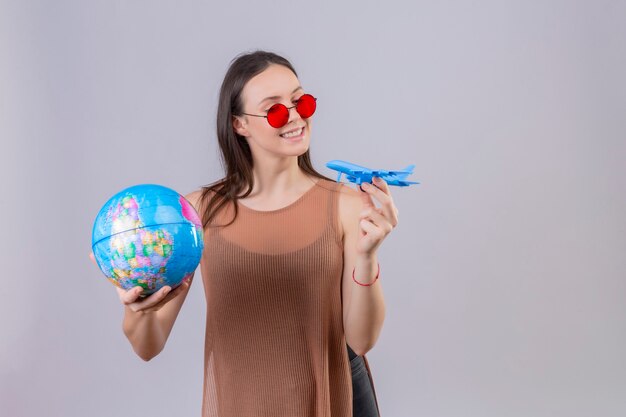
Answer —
(366, 285)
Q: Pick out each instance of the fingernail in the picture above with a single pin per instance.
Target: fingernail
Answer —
(165, 291)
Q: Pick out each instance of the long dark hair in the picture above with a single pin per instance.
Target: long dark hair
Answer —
(236, 156)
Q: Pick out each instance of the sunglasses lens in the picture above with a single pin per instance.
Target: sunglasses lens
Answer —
(306, 106)
(278, 115)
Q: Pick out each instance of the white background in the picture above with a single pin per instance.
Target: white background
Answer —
(505, 280)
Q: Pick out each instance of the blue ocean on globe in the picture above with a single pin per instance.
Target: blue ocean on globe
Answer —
(147, 235)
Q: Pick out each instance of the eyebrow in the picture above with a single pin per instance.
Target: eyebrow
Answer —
(276, 97)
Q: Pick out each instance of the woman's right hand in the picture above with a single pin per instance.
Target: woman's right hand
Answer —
(154, 301)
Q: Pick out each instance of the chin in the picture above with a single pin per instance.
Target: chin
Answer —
(299, 151)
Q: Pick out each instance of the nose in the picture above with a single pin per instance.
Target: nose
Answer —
(293, 115)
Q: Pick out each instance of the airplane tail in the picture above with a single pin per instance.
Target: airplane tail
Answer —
(404, 172)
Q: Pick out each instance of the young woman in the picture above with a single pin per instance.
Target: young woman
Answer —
(289, 267)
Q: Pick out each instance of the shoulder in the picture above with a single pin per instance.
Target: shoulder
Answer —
(199, 198)
(349, 206)
(348, 202)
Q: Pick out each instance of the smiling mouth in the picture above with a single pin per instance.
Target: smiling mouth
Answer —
(293, 134)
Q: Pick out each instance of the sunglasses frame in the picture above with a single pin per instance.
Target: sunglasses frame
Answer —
(288, 108)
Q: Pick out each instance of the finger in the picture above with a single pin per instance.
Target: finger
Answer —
(151, 300)
(378, 219)
(381, 184)
(372, 231)
(129, 297)
(93, 259)
(366, 198)
(173, 293)
(184, 285)
(376, 192)
(384, 196)
(382, 216)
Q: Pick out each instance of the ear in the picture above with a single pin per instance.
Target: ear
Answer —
(240, 127)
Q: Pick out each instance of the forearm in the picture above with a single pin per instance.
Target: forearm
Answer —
(147, 330)
(366, 312)
(144, 332)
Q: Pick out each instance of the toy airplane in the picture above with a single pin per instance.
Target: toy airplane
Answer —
(358, 174)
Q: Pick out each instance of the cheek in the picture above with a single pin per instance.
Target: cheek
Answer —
(270, 135)
(265, 131)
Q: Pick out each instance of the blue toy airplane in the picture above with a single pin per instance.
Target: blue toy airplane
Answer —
(358, 174)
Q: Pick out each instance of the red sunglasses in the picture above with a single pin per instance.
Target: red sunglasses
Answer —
(278, 114)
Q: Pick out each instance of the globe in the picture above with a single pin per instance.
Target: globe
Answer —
(147, 235)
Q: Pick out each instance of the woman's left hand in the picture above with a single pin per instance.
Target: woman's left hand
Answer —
(375, 223)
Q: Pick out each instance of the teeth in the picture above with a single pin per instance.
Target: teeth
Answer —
(292, 134)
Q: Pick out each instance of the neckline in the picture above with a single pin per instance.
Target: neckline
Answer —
(307, 192)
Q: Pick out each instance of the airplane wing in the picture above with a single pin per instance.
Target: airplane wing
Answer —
(379, 172)
(391, 177)
(397, 180)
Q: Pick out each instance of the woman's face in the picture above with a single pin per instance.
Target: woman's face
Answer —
(276, 84)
